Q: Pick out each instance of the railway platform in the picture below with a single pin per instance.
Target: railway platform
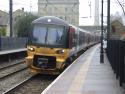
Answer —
(12, 51)
(12, 54)
(86, 75)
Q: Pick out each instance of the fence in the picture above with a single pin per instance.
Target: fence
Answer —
(116, 56)
(9, 43)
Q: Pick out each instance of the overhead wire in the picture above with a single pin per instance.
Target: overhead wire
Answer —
(23, 4)
(121, 5)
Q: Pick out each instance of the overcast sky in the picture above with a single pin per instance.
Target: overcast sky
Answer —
(31, 5)
(18, 4)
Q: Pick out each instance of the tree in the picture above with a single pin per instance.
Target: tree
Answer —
(3, 31)
(23, 25)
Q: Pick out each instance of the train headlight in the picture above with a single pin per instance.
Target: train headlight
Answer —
(31, 49)
(60, 51)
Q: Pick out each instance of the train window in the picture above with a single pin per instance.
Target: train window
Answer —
(39, 34)
(49, 35)
(55, 35)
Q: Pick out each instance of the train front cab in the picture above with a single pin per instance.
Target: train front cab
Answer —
(51, 60)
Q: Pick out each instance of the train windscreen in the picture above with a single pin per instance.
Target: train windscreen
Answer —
(48, 35)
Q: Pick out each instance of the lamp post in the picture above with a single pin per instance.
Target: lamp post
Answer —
(11, 17)
(101, 50)
(108, 19)
(90, 8)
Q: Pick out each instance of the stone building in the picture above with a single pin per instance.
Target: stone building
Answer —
(64, 9)
(18, 13)
(4, 17)
(4, 20)
(117, 30)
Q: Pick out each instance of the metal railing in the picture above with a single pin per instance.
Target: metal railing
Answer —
(116, 56)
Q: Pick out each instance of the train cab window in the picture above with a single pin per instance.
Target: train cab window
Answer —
(48, 35)
(38, 33)
(55, 35)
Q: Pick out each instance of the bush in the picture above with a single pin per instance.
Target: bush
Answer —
(3, 31)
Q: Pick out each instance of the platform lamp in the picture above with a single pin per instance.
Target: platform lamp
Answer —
(101, 50)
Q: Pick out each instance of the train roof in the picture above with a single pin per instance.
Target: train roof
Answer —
(50, 20)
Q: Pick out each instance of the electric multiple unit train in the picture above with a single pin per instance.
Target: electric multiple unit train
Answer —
(53, 42)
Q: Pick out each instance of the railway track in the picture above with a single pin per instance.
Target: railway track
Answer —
(33, 85)
(13, 73)
(14, 79)
(12, 88)
(16, 75)
(4, 65)
(27, 83)
(12, 69)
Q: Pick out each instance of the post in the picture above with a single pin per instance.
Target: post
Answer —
(0, 41)
(101, 50)
(11, 18)
(90, 9)
(108, 19)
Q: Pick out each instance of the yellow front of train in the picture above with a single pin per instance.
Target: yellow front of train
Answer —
(46, 60)
(47, 48)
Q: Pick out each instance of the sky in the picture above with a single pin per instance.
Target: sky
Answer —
(84, 8)
(18, 4)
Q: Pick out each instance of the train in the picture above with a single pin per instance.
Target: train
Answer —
(53, 43)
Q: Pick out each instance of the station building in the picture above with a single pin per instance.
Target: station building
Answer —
(67, 10)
